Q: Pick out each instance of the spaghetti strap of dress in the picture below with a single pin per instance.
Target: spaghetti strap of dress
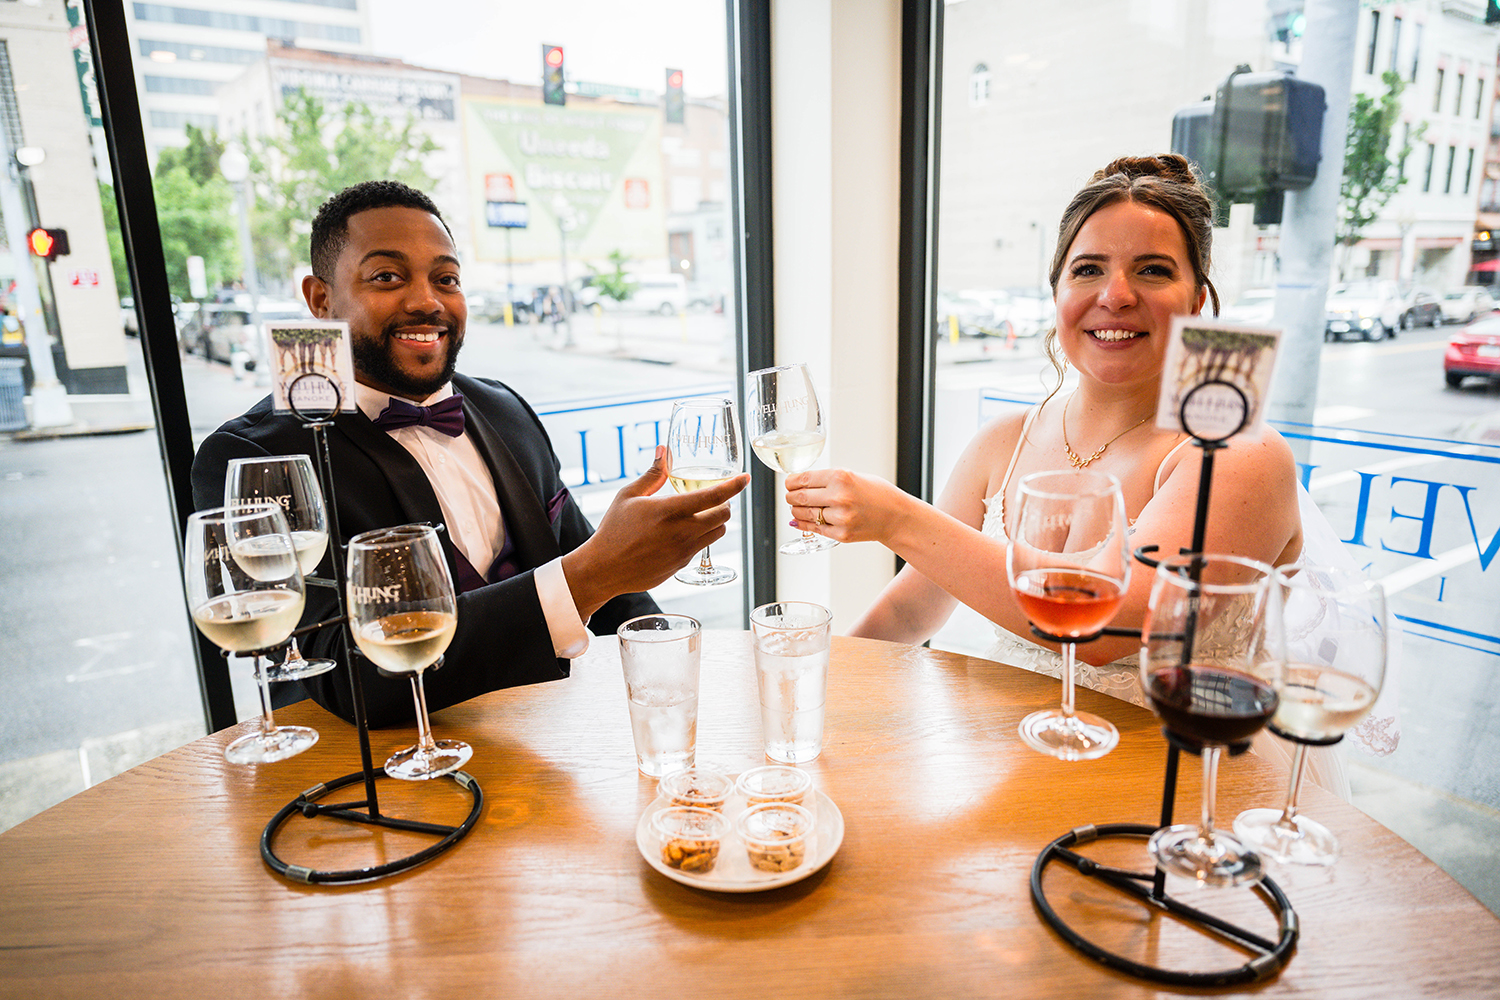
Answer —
(1156, 483)
(1015, 455)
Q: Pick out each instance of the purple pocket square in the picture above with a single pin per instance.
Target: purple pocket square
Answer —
(556, 504)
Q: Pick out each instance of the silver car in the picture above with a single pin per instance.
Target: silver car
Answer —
(1363, 310)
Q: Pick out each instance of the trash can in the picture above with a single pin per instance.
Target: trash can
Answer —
(12, 395)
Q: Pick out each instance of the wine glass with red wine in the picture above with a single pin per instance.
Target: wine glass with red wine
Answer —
(1203, 667)
(1069, 566)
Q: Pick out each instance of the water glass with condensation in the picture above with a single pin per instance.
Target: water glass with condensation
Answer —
(660, 654)
(791, 671)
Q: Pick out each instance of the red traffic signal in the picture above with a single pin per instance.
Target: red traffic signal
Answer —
(674, 78)
(673, 107)
(48, 243)
(552, 76)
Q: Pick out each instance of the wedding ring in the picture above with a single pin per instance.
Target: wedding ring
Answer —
(821, 522)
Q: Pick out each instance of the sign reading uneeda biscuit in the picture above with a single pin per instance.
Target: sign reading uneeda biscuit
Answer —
(1216, 377)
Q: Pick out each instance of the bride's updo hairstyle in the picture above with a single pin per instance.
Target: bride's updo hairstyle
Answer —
(1166, 183)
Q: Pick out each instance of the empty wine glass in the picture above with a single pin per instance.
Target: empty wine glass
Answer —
(1327, 634)
(786, 431)
(1069, 567)
(402, 613)
(244, 591)
(704, 439)
(290, 482)
(1202, 660)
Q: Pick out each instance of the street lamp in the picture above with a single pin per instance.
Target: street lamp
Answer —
(235, 166)
(566, 221)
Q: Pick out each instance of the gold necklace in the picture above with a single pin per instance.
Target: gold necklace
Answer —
(1084, 463)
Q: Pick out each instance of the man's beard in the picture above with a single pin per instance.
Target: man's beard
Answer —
(373, 361)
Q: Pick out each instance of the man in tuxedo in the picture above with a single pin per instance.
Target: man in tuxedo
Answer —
(430, 445)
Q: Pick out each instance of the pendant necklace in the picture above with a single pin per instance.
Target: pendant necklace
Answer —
(1084, 463)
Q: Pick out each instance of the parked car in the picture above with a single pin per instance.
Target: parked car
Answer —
(1474, 350)
(1254, 307)
(1369, 310)
(1421, 307)
(664, 294)
(489, 306)
(974, 317)
(224, 329)
(1464, 305)
(1031, 312)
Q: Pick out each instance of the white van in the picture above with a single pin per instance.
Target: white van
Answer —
(665, 294)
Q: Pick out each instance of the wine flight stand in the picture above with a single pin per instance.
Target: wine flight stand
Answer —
(366, 810)
(1149, 888)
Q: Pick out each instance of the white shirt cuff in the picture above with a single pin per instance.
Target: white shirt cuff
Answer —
(570, 637)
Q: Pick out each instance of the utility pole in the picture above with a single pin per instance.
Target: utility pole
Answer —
(1310, 219)
(49, 399)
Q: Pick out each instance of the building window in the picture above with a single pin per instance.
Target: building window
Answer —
(274, 27)
(979, 86)
(1374, 40)
(1416, 52)
(1469, 171)
(1427, 171)
(1437, 92)
(173, 51)
(1448, 175)
(1395, 42)
(180, 119)
(1458, 95)
(179, 85)
(1479, 99)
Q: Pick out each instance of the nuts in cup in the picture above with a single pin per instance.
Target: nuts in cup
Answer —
(698, 787)
(689, 838)
(775, 835)
(774, 783)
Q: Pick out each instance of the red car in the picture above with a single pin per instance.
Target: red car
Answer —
(1474, 350)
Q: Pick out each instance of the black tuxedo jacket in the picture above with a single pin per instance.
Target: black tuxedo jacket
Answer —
(502, 638)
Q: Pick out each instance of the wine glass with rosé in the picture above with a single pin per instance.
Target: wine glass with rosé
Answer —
(1069, 566)
(1203, 660)
(1327, 632)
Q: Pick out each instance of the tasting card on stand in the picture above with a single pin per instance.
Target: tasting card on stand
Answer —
(311, 359)
(1216, 377)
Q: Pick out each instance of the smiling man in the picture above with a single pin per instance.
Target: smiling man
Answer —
(428, 444)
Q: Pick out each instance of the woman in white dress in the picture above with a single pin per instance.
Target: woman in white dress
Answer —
(1133, 251)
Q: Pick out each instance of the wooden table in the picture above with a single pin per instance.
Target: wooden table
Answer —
(151, 883)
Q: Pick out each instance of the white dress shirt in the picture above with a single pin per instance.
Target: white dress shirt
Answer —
(471, 510)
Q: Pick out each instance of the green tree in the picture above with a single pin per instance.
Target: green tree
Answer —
(200, 157)
(196, 219)
(316, 153)
(1371, 173)
(614, 284)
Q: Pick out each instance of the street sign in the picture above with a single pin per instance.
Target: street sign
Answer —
(507, 214)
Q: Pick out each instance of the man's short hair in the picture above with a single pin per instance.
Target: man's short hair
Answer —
(330, 227)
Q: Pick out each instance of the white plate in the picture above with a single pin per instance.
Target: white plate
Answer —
(733, 871)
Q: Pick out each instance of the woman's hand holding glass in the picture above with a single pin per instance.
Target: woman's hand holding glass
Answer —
(787, 434)
(245, 593)
(289, 482)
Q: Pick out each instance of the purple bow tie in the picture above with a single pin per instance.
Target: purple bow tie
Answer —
(446, 416)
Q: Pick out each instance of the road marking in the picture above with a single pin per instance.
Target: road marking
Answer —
(1412, 575)
(1349, 476)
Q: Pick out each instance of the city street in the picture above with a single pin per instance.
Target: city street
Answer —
(98, 673)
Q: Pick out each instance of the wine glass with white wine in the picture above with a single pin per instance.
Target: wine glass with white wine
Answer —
(1327, 634)
(786, 430)
(290, 482)
(402, 612)
(704, 439)
(245, 593)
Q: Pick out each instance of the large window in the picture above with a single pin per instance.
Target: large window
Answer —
(1394, 458)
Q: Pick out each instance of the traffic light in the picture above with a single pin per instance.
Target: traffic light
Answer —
(674, 108)
(552, 76)
(49, 244)
(1260, 136)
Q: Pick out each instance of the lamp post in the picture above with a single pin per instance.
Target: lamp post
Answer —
(235, 166)
(565, 222)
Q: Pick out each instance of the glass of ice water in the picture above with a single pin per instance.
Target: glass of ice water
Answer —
(791, 671)
(660, 655)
